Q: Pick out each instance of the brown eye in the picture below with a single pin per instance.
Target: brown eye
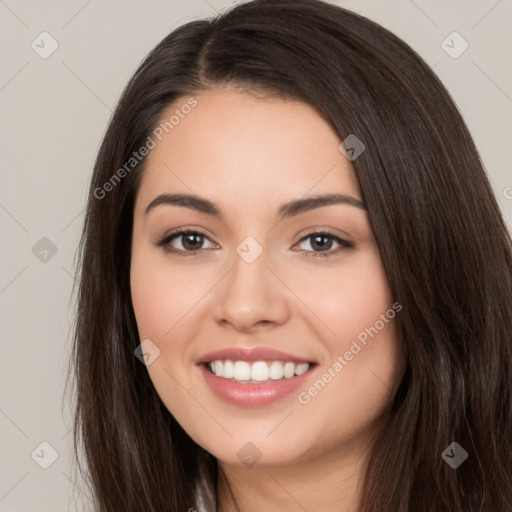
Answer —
(321, 244)
(191, 242)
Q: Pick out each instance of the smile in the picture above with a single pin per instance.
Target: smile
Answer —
(254, 376)
(255, 384)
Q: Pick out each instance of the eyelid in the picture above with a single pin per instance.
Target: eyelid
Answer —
(328, 231)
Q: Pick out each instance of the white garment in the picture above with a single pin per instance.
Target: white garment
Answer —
(201, 503)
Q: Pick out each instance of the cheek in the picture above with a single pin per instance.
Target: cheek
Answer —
(354, 383)
(161, 296)
(167, 303)
(349, 395)
(349, 299)
(359, 371)
(163, 302)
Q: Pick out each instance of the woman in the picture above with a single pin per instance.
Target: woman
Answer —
(295, 282)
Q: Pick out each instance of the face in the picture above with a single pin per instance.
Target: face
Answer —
(295, 299)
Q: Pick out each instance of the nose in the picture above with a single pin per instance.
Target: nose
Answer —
(252, 297)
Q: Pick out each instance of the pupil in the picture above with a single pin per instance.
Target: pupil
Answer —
(320, 244)
(189, 239)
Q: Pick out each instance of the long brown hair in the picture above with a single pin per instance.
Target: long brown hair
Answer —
(442, 239)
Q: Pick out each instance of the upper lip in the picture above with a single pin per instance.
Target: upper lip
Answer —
(250, 354)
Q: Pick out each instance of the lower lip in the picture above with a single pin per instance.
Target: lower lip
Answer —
(253, 395)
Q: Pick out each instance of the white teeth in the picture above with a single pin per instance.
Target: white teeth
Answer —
(242, 371)
(301, 368)
(228, 371)
(276, 370)
(289, 370)
(259, 371)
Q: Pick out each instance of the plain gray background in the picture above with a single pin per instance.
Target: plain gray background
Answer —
(54, 112)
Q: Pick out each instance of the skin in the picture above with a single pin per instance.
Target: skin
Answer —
(249, 154)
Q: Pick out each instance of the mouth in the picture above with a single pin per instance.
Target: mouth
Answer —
(257, 383)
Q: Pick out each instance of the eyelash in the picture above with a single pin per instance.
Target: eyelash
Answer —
(164, 243)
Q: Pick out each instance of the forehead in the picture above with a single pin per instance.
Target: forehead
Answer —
(237, 148)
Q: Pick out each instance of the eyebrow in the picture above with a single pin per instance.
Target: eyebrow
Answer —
(286, 210)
